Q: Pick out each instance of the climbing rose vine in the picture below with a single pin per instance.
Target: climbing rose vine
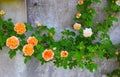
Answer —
(76, 48)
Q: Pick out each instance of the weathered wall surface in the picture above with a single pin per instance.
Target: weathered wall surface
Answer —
(57, 13)
(12, 68)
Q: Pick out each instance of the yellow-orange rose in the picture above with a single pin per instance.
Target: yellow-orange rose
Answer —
(64, 53)
(20, 28)
(78, 15)
(28, 50)
(80, 2)
(48, 54)
(2, 12)
(117, 53)
(77, 26)
(12, 42)
(32, 40)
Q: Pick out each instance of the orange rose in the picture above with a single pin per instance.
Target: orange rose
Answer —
(20, 28)
(28, 50)
(47, 54)
(77, 26)
(12, 42)
(32, 40)
(78, 15)
(64, 53)
(2, 12)
(117, 53)
(80, 2)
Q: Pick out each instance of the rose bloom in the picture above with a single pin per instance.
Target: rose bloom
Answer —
(92, 62)
(28, 50)
(113, 1)
(83, 57)
(78, 15)
(2, 12)
(38, 23)
(80, 2)
(77, 26)
(12, 42)
(32, 40)
(87, 32)
(50, 34)
(64, 53)
(20, 28)
(48, 54)
(118, 2)
(117, 53)
(54, 48)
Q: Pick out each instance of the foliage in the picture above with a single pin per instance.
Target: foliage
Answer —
(81, 49)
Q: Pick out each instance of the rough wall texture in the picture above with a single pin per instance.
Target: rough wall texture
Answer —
(57, 13)
(12, 68)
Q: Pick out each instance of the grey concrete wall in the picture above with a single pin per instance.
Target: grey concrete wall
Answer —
(16, 10)
(57, 13)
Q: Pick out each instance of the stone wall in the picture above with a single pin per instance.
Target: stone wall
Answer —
(58, 14)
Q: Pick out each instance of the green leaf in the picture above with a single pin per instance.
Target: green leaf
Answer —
(29, 27)
(52, 30)
(78, 55)
(38, 38)
(114, 19)
(42, 28)
(64, 63)
(27, 58)
(92, 67)
(68, 33)
(12, 53)
(0, 47)
(1, 21)
(79, 7)
(81, 64)
(81, 46)
(96, 0)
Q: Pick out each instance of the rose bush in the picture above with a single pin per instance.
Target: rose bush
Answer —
(76, 48)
